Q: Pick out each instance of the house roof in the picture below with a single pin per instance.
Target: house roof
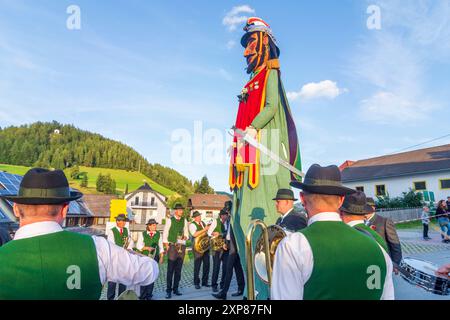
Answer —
(401, 164)
(208, 201)
(99, 204)
(146, 188)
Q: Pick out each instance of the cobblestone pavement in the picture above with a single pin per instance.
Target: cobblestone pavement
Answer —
(412, 245)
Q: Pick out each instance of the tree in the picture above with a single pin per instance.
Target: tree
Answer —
(84, 181)
(203, 186)
(126, 188)
(75, 172)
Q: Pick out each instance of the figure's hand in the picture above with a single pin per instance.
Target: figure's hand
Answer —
(395, 271)
(252, 132)
(161, 259)
(166, 247)
(225, 247)
(215, 234)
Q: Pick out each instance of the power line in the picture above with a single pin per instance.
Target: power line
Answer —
(420, 144)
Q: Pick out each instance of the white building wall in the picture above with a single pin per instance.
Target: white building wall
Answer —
(397, 185)
(157, 213)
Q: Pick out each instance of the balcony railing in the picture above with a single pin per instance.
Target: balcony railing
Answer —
(145, 204)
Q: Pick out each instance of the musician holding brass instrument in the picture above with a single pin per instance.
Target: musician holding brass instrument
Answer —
(120, 236)
(200, 247)
(175, 235)
(217, 233)
(150, 244)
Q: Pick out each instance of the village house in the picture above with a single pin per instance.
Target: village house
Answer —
(425, 170)
(146, 204)
(209, 205)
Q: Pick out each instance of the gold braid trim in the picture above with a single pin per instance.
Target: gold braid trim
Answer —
(273, 64)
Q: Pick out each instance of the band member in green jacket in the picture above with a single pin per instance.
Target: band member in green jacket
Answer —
(150, 244)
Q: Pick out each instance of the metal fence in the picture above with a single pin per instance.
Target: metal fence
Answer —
(400, 214)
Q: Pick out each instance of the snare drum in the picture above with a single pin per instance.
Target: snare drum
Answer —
(423, 274)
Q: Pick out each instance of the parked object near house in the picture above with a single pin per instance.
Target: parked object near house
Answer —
(209, 205)
(425, 170)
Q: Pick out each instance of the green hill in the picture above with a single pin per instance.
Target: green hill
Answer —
(122, 178)
(54, 145)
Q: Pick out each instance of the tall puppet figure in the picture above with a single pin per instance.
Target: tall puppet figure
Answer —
(264, 114)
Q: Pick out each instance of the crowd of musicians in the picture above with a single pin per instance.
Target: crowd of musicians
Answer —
(340, 249)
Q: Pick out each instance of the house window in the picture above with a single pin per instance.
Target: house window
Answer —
(152, 203)
(360, 189)
(380, 190)
(209, 214)
(445, 183)
(136, 201)
(420, 185)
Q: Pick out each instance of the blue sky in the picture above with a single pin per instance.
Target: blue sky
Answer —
(137, 71)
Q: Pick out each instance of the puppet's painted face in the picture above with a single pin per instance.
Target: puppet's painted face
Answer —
(256, 51)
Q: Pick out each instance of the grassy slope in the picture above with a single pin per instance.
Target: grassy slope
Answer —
(122, 177)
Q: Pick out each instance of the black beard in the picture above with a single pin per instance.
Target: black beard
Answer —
(251, 66)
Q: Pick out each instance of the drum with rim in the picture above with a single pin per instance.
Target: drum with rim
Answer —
(423, 274)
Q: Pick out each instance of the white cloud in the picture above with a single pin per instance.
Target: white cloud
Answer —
(395, 61)
(234, 17)
(323, 89)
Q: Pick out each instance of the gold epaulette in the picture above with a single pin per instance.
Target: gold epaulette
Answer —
(273, 64)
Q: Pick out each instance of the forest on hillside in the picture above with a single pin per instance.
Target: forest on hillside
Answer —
(54, 145)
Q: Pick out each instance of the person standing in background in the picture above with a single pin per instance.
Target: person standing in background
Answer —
(425, 222)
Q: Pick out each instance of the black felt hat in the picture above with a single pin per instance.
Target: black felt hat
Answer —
(356, 203)
(323, 180)
(152, 221)
(196, 214)
(41, 186)
(178, 206)
(285, 194)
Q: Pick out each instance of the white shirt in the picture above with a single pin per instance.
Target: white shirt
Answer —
(284, 215)
(167, 228)
(115, 264)
(140, 242)
(294, 264)
(110, 237)
(212, 226)
(193, 227)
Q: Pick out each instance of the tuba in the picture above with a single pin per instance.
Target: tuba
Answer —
(264, 256)
(201, 243)
(217, 243)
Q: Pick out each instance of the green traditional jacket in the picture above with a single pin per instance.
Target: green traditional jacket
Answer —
(176, 229)
(219, 227)
(56, 266)
(151, 242)
(372, 233)
(345, 263)
(118, 239)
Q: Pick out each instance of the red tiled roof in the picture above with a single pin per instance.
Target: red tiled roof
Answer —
(208, 201)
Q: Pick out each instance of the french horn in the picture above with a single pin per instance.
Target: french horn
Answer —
(262, 259)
